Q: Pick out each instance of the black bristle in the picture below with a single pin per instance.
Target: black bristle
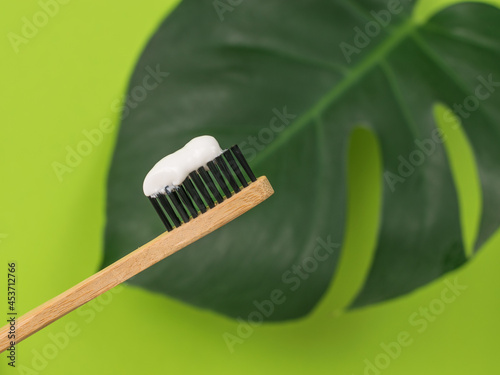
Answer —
(160, 213)
(239, 155)
(202, 189)
(234, 166)
(187, 202)
(174, 197)
(170, 211)
(218, 177)
(221, 163)
(210, 183)
(195, 196)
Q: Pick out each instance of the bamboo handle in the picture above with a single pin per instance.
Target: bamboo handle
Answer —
(137, 261)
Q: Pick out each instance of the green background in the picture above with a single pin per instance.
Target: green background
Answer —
(63, 81)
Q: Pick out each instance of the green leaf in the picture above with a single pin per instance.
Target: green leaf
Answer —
(278, 78)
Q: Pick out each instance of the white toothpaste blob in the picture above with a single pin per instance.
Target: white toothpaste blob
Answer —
(173, 169)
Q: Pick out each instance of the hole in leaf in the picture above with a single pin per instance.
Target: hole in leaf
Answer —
(364, 182)
(465, 175)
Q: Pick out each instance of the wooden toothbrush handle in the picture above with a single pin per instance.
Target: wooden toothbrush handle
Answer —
(137, 261)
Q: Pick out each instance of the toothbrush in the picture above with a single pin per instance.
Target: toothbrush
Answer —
(194, 191)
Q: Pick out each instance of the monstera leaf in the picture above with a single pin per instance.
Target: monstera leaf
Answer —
(289, 81)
